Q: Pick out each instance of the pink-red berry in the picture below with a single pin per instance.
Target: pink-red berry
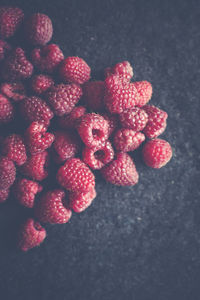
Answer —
(41, 83)
(7, 173)
(72, 119)
(144, 92)
(113, 122)
(4, 195)
(80, 201)
(14, 91)
(10, 20)
(6, 110)
(134, 118)
(126, 140)
(122, 69)
(13, 148)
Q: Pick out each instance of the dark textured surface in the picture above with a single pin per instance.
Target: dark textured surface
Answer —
(132, 243)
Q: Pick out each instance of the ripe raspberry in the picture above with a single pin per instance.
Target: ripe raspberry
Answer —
(128, 140)
(47, 58)
(6, 110)
(37, 139)
(14, 91)
(157, 153)
(31, 234)
(4, 195)
(41, 83)
(156, 121)
(120, 95)
(80, 201)
(10, 20)
(63, 97)
(25, 191)
(93, 92)
(74, 69)
(52, 208)
(72, 119)
(93, 130)
(144, 90)
(123, 69)
(112, 122)
(14, 149)
(7, 173)
(36, 166)
(39, 29)
(121, 171)
(35, 109)
(134, 118)
(75, 176)
(4, 49)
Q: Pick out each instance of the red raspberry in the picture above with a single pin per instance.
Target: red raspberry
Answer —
(37, 139)
(97, 158)
(72, 119)
(112, 122)
(39, 29)
(10, 20)
(144, 90)
(52, 208)
(7, 173)
(74, 69)
(47, 58)
(63, 97)
(93, 130)
(120, 95)
(36, 166)
(122, 69)
(25, 191)
(14, 149)
(41, 83)
(80, 201)
(4, 49)
(93, 92)
(35, 109)
(134, 118)
(156, 121)
(31, 234)
(6, 110)
(4, 195)
(75, 176)
(128, 140)
(121, 171)
(15, 91)
(157, 153)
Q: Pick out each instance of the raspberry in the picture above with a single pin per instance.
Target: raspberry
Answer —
(31, 234)
(4, 195)
(6, 110)
(97, 158)
(123, 69)
(35, 109)
(121, 171)
(14, 149)
(128, 140)
(37, 138)
(36, 166)
(156, 121)
(112, 122)
(4, 49)
(157, 153)
(74, 69)
(63, 97)
(41, 83)
(39, 29)
(75, 176)
(52, 208)
(93, 130)
(93, 92)
(10, 20)
(7, 173)
(134, 118)
(120, 95)
(72, 119)
(25, 191)
(80, 201)
(144, 90)
(47, 58)
(14, 91)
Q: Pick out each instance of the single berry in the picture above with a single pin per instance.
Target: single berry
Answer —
(10, 20)
(80, 201)
(7, 173)
(4, 49)
(73, 118)
(14, 149)
(41, 83)
(14, 91)
(122, 69)
(134, 118)
(4, 195)
(126, 140)
(93, 93)
(144, 91)
(6, 110)
(113, 122)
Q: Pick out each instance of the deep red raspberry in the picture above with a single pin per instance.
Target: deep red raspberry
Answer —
(72, 119)
(6, 110)
(134, 118)
(63, 97)
(97, 158)
(4, 195)
(126, 140)
(25, 191)
(31, 234)
(52, 208)
(7, 173)
(35, 109)
(93, 92)
(157, 153)
(144, 90)
(14, 149)
(156, 121)
(122, 69)
(36, 166)
(47, 58)
(38, 29)
(10, 20)
(80, 201)
(41, 83)
(4, 49)
(74, 69)
(75, 176)
(93, 130)
(113, 122)
(14, 91)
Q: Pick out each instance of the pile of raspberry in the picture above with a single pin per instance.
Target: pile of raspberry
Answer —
(57, 125)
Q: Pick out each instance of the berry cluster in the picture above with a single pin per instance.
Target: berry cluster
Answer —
(70, 125)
